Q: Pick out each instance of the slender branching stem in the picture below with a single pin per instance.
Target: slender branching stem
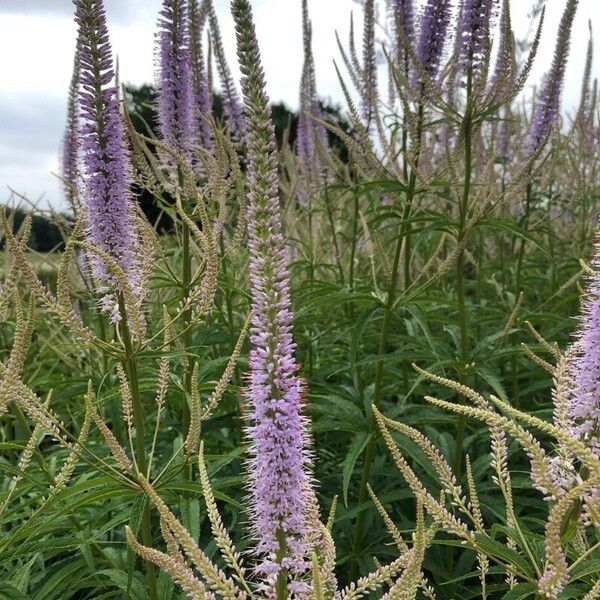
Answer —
(382, 350)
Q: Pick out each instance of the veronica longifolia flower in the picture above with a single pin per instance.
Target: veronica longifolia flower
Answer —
(435, 19)
(473, 29)
(279, 467)
(369, 69)
(587, 103)
(548, 102)
(401, 15)
(108, 202)
(176, 99)
(584, 405)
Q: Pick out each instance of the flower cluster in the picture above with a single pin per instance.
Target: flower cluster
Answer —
(474, 25)
(176, 99)
(279, 467)
(547, 106)
(435, 19)
(584, 404)
(108, 203)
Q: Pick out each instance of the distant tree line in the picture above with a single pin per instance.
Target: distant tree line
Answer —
(45, 235)
(141, 101)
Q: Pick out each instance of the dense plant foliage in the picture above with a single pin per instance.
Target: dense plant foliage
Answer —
(348, 365)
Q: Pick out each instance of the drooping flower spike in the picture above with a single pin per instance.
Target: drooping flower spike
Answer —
(108, 202)
(177, 107)
(279, 465)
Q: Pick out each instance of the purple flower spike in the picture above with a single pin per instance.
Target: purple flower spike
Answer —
(279, 465)
(432, 36)
(108, 203)
(548, 103)
(473, 29)
(402, 15)
(176, 99)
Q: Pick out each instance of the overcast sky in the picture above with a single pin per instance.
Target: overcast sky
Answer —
(37, 38)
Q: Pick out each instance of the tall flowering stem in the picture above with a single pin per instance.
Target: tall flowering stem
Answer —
(177, 108)
(401, 16)
(108, 202)
(369, 70)
(505, 68)
(279, 465)
(586, 111)
(548, 103)
(179, 119)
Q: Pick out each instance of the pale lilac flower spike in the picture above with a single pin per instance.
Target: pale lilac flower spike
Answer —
(279, 465)
(584, 404)
(108, 202)
(177, 104)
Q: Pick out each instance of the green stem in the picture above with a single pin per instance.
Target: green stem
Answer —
(382, 350)
(281, 585)
(353, 251)
(311, 356)
(186, 278)
(522, 241)
(460, 298)
(334, 237)
(229, 308)
(130, 366)
(460, 273)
